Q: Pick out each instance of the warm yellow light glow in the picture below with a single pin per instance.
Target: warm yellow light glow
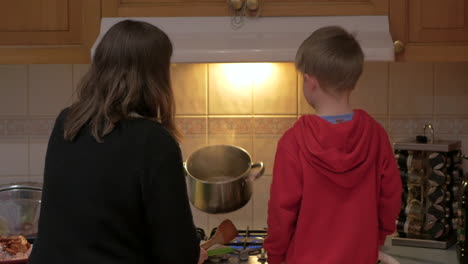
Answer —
(245, 73)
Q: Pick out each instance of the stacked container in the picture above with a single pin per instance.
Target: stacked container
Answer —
(431, 174)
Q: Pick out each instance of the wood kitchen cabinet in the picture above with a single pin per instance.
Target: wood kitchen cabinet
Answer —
(141, 8)
(430, 30)
(48, 31)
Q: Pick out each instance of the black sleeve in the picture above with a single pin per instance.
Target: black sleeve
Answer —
(170, 224)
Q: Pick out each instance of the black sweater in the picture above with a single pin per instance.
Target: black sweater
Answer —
(120, 201)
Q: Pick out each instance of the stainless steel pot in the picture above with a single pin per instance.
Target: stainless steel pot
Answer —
(220, 178)
(20, 205)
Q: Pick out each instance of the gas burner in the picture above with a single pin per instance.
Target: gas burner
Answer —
(248, 242)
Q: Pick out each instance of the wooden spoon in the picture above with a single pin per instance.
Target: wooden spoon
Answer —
(225, 233)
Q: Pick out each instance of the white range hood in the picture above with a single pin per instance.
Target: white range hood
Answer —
(265, 39)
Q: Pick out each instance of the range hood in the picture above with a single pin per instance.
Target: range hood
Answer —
(264, 39)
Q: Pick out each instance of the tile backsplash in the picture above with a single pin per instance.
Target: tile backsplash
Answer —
(249, 105)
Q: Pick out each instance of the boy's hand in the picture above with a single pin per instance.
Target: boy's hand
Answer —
(203, 256)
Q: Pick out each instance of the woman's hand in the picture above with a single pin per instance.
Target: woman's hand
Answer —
(203, 256)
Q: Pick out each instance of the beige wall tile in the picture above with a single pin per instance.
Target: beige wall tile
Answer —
(265, 151)
(13, 89)
(189, 144)
(50, 88)
(243, 141)
(371, 93)
(304, 107)
(411, 89)
(276, 93)
(200, 218)
(36, 178)
(79, 70)
(13, 179)
(260, 198)
(229, 89)
(451, 89)
(189, 84)
(37, 153)
(241, 218)
(14, 156)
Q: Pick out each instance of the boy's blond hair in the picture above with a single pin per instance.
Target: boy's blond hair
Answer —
(334, 57)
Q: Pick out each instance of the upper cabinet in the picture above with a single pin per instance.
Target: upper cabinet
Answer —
(48, 31)
(430, 30)
(63, 31)
(126, 8)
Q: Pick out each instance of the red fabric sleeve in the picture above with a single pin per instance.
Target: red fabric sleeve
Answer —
(285, 199)
(390, 193)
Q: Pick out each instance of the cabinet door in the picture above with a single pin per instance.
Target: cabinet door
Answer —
(145, 8)
(141, 8)
(438, 20)
(48, 31)
(430, 30)
(43, 22)
(324, 7)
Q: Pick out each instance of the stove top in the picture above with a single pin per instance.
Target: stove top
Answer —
(248, 248)
(233, 259)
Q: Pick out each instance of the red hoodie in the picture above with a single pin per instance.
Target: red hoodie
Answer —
(336, 192)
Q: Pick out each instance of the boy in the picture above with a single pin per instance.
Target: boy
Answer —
(336, 190)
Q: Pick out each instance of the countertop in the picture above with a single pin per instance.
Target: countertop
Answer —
(406, 255)
(414, 255)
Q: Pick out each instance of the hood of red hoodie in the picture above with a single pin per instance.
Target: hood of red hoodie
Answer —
(337, 151)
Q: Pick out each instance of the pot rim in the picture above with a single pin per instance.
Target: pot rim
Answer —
(243, 175)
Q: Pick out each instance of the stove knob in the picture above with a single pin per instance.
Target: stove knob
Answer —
(262, 257)
(244, 254)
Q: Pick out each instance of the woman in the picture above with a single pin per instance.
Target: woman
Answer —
(114, 187)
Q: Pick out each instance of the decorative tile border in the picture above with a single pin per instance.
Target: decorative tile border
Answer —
(26, 127)
(408, 126)
(2, 128)
(43, 126)
(273, 125)
(230, 125)
(451, 125)
(191, 126)
(383, 122)
(16, 127)
(39, 127)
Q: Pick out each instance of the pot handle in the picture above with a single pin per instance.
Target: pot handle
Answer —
(261, 170)
(185, 169)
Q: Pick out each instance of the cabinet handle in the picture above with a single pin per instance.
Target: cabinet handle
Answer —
(399, 46)
(252, 5)
(236, 4)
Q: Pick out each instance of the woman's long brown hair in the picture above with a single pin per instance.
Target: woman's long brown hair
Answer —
(130, 73)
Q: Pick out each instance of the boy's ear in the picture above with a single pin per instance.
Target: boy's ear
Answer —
(310, 80)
